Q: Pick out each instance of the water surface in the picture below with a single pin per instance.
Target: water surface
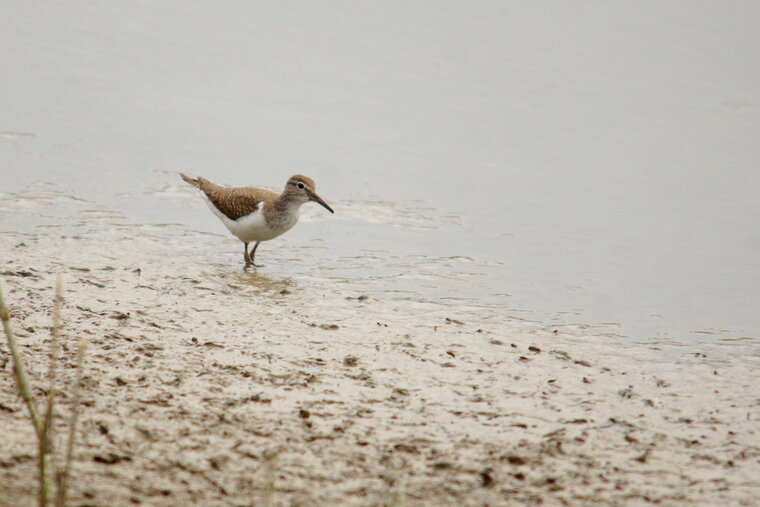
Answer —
(584, 166)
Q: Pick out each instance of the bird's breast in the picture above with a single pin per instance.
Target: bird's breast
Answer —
(283, 220)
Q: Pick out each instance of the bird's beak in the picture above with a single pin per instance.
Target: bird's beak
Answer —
(314, 197)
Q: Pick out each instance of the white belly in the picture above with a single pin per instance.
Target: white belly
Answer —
(254, 227)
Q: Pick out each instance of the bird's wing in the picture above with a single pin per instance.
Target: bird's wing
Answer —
(235, 202)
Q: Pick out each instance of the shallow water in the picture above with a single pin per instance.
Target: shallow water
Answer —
(588, 169)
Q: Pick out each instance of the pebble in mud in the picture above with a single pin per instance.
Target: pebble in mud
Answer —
(486, 478)
(110, 458)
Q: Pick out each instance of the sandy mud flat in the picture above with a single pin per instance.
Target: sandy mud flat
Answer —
(208, 386)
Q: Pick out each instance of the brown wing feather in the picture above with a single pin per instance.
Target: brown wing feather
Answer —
(234, 202)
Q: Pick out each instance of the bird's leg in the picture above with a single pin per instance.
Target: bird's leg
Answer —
(253, 254)
(246, 257)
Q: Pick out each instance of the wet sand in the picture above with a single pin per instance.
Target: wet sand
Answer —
(209, 386)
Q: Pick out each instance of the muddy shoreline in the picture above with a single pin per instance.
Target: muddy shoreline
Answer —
(206, 385)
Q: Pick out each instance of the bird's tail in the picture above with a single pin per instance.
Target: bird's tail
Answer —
(193, 181)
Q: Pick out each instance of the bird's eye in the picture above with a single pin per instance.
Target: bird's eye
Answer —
(300, 185)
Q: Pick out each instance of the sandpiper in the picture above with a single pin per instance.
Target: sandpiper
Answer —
(254, 214)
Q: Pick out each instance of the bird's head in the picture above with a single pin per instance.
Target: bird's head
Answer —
(302, 189)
